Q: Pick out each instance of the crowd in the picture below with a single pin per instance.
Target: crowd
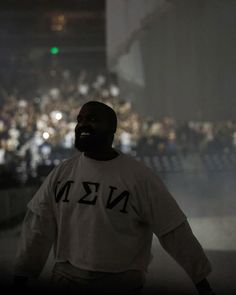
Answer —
(38, 117)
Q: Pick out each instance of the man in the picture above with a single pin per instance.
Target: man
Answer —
(100, 210)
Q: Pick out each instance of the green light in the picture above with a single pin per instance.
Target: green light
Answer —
(54, 50)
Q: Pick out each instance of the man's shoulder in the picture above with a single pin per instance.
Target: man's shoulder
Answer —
(66, 164)
(71, 161)
(135, 163)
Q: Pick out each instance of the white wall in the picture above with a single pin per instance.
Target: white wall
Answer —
(186, 56)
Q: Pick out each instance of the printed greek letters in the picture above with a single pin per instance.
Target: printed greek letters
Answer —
(112, 203)
(64, 190)
(114, 198)
(89, 191)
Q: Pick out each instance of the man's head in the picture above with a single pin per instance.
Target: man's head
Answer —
(96, 125)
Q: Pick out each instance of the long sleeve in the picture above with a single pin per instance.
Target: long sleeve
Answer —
(36, 239)
(183, 246)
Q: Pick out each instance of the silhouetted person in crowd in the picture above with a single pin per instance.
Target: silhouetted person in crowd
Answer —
(99, 210)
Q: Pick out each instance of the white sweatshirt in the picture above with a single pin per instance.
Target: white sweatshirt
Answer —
(101, 216)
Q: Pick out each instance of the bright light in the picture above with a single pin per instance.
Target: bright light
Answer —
(58, 22)
(114, 90)
(83, 89)
(46, 135)
(54, 50)
(58, 116)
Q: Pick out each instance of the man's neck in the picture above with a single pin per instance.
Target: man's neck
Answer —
(103, 155)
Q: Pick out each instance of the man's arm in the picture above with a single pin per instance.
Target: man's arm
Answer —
(183, 246)
(37, 236)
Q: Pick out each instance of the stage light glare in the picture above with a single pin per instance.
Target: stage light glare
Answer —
(46, 135)
(54, 50)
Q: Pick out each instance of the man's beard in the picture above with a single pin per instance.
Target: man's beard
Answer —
(93, 142)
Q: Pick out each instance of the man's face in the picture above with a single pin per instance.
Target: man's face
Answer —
(92, 132)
